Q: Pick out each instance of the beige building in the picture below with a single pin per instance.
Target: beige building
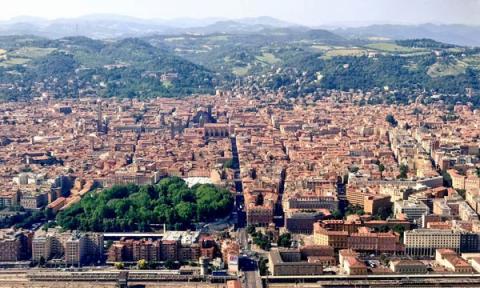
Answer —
(424, 242)
(74, 248)
(290, 263)
(408, 267)
(451, 261)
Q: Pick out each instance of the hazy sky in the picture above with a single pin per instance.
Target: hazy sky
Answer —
(309, 12)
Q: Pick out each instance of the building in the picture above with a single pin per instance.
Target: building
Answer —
(313, 202)
(424, 242)
(335, 239)
(316, 250)
(260, 215)
(365, 240)
(408, 267)
(361, 239)
(56, 205)
(375, 204)
(169, 249)
(469, 242)
(73, 248)
(208, 247)
(301, 222)
(413, 210)
(40, 249)
(234, 284)
(475, 262)
(174, 245)
(9, 198)
(451, 261)
(14, 246)
(289, 263)
(324, 255)
(356, 194)
(116, 252)
(350, 263)
(33, 201)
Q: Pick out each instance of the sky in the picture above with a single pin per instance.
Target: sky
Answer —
(306, 12)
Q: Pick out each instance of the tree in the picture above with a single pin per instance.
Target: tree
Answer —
(383, 229)
(228, 164)
(250, 229)
(135, 208)
(337, 214)
(399, 229)
(461, 192)
(391, 119)
(170, 264)
(185, 211)
(354, 169)
(142, 264)
(447, 179)
(381, 168)
(49, 214)
(285, 240)
(262, 241)
(403, 171)
(354, 209)
(262, 266)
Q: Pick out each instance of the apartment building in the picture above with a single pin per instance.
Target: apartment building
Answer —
(14, 245)
(73, 248)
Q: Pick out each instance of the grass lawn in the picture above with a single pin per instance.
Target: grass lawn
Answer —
(473, 60)
(268, 58)
(241, 71)
(14, 61)
(173, 39)
(218, 38)
(392, 47)
(32, 52)
(446, 69)
(167, 84)
(344, 52)
(321, 47)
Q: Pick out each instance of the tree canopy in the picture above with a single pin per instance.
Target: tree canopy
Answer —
(135, 208)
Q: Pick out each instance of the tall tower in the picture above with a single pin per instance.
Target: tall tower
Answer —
(99, 118)
(162, 119)
(172, 129)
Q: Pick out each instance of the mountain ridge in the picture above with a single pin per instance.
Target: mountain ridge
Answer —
(103, 26)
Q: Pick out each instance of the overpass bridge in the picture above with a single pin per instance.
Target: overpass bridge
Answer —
(393, 280)
(114, 276)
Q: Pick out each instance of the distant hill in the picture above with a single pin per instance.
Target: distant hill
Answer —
(454, 34)
(80, 66)
(297, 59)
(113, 26)
(101, 26)
(93, 26)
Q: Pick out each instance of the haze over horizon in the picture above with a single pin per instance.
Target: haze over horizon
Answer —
(304, 12)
